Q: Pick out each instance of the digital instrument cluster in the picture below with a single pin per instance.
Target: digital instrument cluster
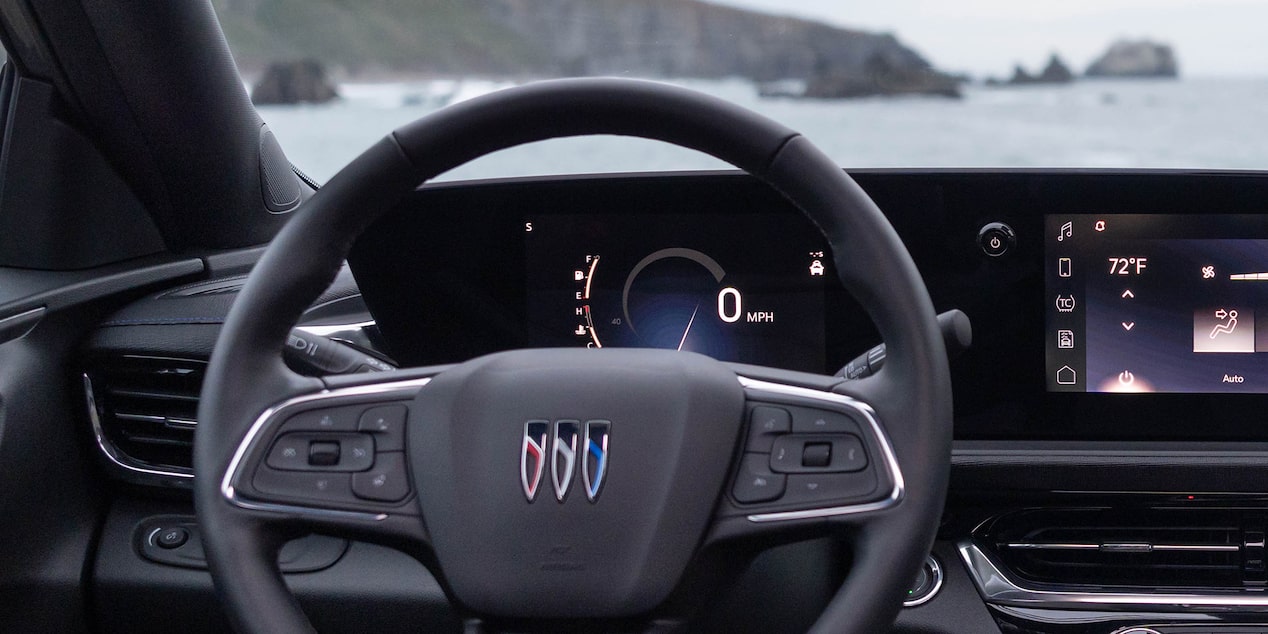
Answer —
(1157, 303)
(735, 287)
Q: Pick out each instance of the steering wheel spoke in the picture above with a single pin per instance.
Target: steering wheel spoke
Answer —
(808, 459)
(332, 461)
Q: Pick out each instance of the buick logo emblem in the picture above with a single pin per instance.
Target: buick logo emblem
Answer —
(533, 456)
(569, 443)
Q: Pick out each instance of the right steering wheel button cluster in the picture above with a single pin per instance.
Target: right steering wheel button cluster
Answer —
(802, 455)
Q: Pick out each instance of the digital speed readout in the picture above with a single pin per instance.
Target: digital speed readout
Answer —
(753, 294)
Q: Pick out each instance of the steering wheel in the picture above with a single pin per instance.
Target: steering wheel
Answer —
(471, 467)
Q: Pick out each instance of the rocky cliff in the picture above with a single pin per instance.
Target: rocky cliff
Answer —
(643, 38)
(1135, 59)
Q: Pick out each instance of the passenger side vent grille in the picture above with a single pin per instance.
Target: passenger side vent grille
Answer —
(1147, 548)
(144, 412)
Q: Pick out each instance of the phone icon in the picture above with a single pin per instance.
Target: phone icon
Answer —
(1063, 267)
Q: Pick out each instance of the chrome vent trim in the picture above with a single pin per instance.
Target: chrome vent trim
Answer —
(142, 412)
(999, 588)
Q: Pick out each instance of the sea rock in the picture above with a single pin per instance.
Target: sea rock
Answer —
(292, 82)
(1056, 72)
(1141, 58)
(883, 76)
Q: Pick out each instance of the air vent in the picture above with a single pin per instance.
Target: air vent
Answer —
(145, 412)
(1146, 548)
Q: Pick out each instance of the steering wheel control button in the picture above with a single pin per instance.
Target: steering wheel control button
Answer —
(387, 423)
(300, 485)
(819, 488)
(816, 421)
(816, 455)
(756, 482)
(996, 238)
(386, 482)
(325, 419)
(304, 451)
(323, 453)
(290, 452)
(170, 538)
(765, 423)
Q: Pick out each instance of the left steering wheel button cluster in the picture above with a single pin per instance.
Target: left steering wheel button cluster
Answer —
(345, 454)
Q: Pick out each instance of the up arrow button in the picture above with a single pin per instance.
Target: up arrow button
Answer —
(1128, 294)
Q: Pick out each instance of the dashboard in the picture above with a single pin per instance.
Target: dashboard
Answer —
(1107, 414)
(1081, 301)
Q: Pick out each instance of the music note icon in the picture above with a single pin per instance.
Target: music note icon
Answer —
(1067, 230)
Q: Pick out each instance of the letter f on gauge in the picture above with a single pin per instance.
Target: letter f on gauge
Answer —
(533, 456)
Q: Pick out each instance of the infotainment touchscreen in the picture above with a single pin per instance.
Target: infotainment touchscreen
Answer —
(1156, 303)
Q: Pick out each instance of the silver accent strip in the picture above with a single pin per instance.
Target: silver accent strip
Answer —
(1039, 546)
(756, 387)
(112, 453)
(936, 571)
(17, 326)
(1128, 547)
(335, 329)
(274, 413)
(999, 589)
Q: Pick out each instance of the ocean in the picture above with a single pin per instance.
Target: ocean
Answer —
(1189, 123)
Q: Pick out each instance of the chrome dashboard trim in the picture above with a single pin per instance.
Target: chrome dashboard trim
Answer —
(997, 588)
(401, 389)
(938, 577)
(336, 329)
(754, 387)
(112, 453)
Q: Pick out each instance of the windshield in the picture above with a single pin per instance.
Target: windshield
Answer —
(902, 83)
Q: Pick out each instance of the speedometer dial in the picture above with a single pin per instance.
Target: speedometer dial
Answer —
(675, 298)
(679, 285)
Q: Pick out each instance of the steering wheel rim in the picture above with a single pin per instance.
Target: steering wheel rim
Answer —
(247, 377)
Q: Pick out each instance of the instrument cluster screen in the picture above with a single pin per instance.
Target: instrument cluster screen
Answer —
(736, 287)
(1157, 303)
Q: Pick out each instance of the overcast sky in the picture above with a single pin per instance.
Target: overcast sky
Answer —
(986, 37)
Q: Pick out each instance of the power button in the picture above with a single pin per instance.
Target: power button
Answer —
(996, 239)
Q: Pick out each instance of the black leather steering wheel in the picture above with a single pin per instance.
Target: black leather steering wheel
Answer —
(671, 452)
